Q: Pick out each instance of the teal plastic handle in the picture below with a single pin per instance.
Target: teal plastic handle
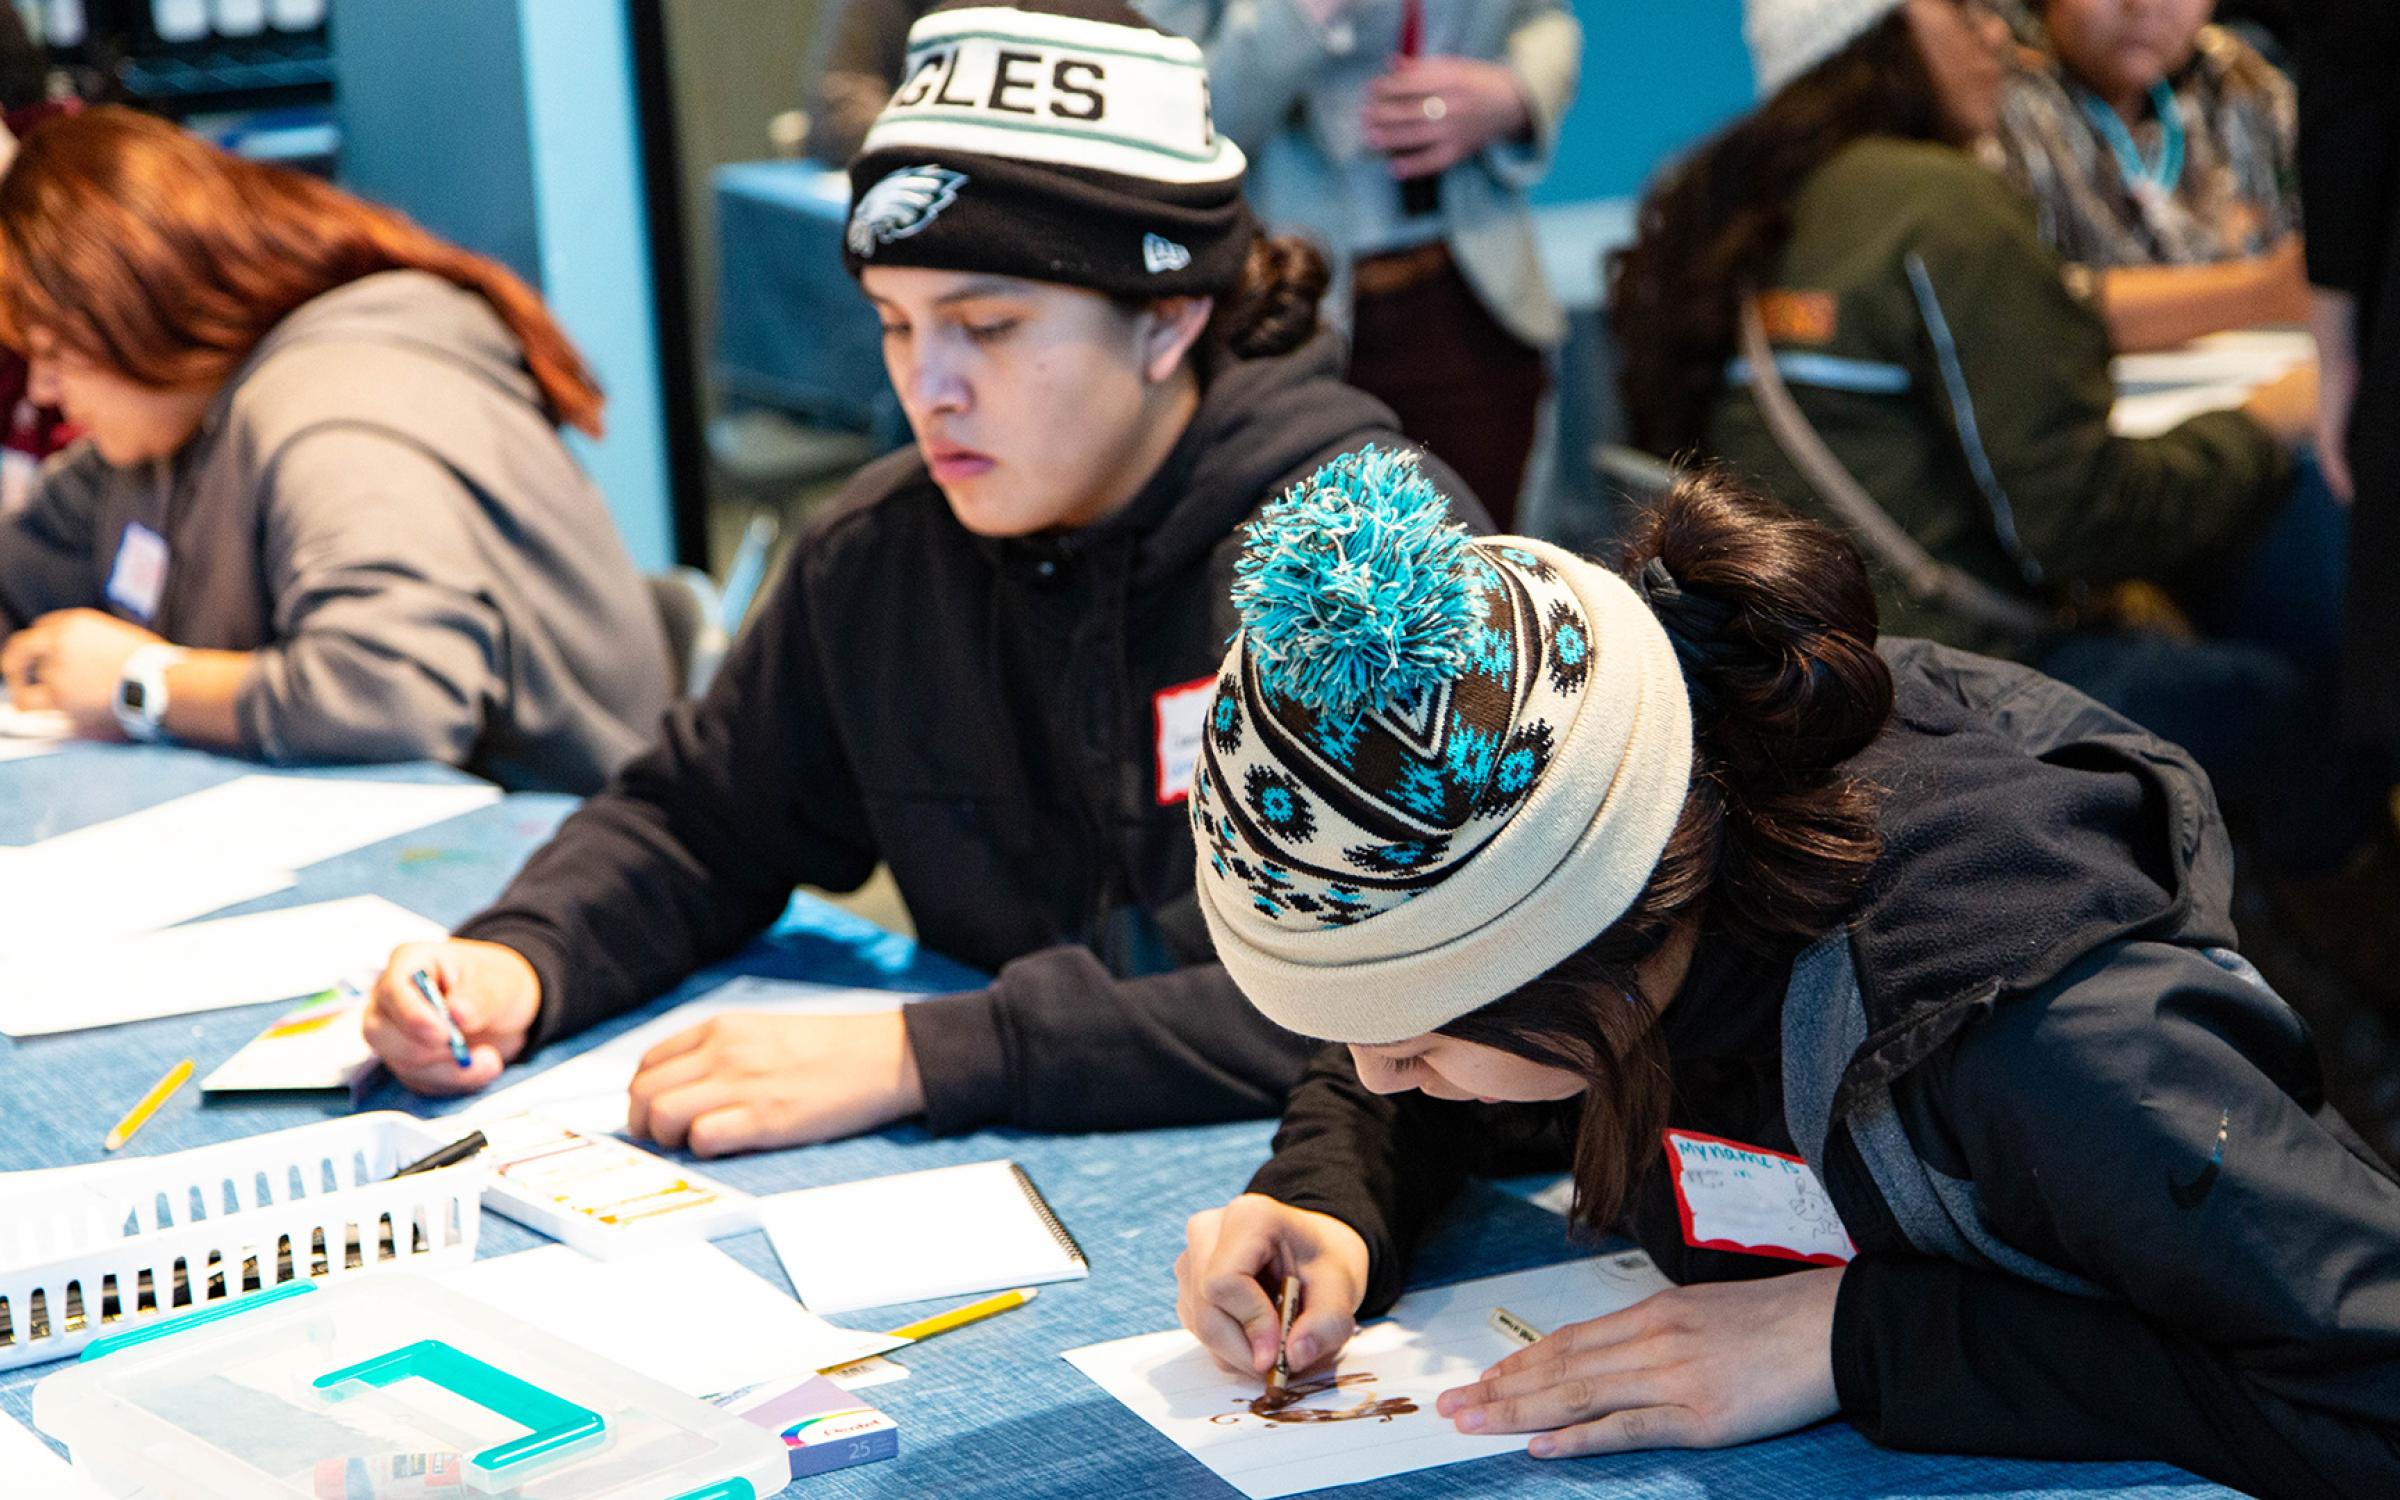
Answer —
(731, 1489)
(168, 1327)
(556, 1423)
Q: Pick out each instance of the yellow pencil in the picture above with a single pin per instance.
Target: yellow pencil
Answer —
(140, 1113)
(973, 1312)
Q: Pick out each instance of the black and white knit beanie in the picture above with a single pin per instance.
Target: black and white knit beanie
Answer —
(1434, 766)
(1058, 140)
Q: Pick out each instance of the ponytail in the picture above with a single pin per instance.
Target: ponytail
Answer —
(1774, 622)
(1272, 310)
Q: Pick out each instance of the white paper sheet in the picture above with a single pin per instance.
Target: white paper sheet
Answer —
(1434, 1340)
(587, 1092)
(687, 1314)
(266, 823)
(271, 955)
(33, 723)
(2152, 412)
(319, 1044)
(32, 1471)
(58, 906)
(914, 1236)
(2247, 356)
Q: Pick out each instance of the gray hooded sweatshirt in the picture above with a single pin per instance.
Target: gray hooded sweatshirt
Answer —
(378, 508)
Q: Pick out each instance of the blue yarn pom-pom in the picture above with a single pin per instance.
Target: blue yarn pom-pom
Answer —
(1354, 588)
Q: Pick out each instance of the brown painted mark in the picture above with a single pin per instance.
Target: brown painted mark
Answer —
(1282, 1407)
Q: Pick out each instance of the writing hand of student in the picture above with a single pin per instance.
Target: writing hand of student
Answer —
(1697, 1367)
(70, 660)
(493, 993)
(1430, 113)
(745, 1082)
(1232, 1269)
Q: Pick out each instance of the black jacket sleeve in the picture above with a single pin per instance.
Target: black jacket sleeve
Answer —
(696, 845)
(2251, 1331)
(1181, 1048)
(2349, 138)
(1384, 1164)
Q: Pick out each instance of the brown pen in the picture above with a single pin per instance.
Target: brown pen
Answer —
(1285, 1306)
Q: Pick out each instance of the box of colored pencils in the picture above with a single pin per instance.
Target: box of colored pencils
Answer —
(821, 1425)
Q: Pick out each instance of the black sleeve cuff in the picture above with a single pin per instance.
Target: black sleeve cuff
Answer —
(961, 1061)
(556, 1016)
(1853, 1359)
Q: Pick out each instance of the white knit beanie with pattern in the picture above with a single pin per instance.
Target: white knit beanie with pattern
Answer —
(1789, 37)
(1434, 766)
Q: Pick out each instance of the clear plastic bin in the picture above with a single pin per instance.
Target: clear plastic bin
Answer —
(93, 1250)
(387, 1389)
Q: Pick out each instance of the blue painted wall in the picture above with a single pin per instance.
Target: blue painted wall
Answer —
(1657, 75)
(508, 126)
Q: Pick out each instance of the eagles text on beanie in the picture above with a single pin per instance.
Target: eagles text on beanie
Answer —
(1059, 140)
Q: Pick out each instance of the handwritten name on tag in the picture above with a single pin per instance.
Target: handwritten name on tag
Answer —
(1181, 713)
(1753, 1201)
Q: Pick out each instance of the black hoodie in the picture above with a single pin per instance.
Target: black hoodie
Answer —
(2040, 956)
(982, 716)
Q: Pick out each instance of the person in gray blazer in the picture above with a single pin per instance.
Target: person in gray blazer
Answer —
(1403, 136)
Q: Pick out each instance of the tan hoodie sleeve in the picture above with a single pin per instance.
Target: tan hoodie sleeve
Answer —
(387, 643)
(50, 552)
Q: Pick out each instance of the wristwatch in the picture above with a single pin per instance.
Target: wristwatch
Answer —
(141, 699)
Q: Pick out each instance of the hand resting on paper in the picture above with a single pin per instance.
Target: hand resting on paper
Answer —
(493, 994)
(1704, 1366)
(69, 660)
(1233, 1264)
(746, 1082)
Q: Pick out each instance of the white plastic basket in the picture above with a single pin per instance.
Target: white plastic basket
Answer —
(86, 1251)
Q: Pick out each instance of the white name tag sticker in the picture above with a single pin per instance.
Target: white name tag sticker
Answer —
(1181, 715)
(1753, 1201)
(139, 576)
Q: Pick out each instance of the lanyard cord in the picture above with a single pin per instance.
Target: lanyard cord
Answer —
(2162, 174)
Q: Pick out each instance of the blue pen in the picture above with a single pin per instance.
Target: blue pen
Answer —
(433, 997)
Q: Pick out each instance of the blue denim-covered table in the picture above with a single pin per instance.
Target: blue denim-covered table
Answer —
(989, 1410)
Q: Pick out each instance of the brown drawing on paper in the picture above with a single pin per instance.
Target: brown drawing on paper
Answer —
(1283, 1407)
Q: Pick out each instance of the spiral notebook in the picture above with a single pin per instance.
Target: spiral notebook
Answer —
(942, 1233)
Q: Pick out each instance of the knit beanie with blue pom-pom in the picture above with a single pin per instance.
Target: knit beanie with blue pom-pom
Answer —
(1434, 767)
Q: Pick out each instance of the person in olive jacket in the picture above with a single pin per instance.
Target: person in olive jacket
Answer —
(1946, 360)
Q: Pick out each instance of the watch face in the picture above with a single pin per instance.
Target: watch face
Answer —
(135, 696)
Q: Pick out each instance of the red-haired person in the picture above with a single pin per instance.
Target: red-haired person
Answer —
(324, 512)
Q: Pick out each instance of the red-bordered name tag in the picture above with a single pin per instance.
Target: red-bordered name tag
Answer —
(1180, 715)
(1753, 1201)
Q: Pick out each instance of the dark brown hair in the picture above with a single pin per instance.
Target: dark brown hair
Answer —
(144, 249)
(1273, 308)
(1719, 220)
(1774, 622)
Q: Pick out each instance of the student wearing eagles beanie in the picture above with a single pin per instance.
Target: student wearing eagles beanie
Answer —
(1976, 1130)
(986, 662)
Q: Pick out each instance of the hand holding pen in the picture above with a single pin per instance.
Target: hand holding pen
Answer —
(447, 1016)
(1247, 1265)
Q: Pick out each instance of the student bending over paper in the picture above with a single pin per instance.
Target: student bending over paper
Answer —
(1948, 931)
(324, 513)
(986, 663)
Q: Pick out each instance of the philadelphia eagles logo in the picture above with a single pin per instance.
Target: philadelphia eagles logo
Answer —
(901, 205)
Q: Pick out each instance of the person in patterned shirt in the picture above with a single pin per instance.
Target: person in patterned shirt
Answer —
(2160, 152)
